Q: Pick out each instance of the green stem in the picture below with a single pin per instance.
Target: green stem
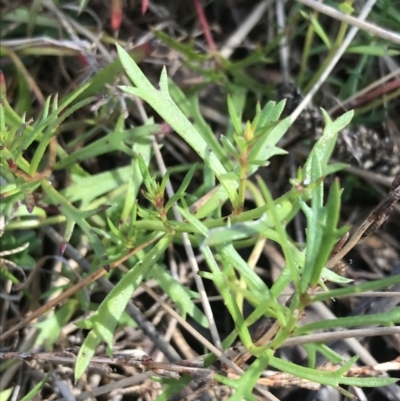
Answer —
(242, 185)
(306, 50)
(331, 54)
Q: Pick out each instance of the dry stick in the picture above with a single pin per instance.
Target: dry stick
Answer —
(62, 386)
(244, 356)
(193, 331)
(205, 342)
(333, 336)
(73, 45)
(237, 38)
(141, 360)
(350, 101)
(198, 392)
(71, 291)
(356, 22)
(341, 335)
(108, 388)
(377, 93)
(375, 219)
(102, 49)
(354, 345)
(283, 42)
(136, 358)
(71, 25)
(386, 89)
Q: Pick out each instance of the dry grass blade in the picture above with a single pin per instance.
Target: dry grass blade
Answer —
(244, 29)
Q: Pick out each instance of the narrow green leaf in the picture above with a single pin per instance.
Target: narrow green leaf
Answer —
(267, 116)
(333, 277)
(32, 394)
(283, 239)
(51, 327)
(265, 147)
(346, 8)
(220, 280)
(82, 5)
(329, 234)
(236, 121)
(180, 295)
(354, 289)
(181, 190)
(162, 102)
(6, 393)
(75, 215)
(325, 145)
(52, 130)
(110, 311)
(384, 318)
(86, 353)
(371, 50)
(229, 147)
(230, 256)
(201, 228)
(245, 384)
(320, 32)
(234, 232)
(190, 106)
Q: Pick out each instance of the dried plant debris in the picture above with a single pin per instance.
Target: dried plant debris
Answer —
(358, 145)
(374, 220)
(310, 123)
(144, 363)
(372, 150)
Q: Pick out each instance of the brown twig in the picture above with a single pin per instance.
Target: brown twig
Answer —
(205, 26)
(143, 362)
(358, 102)
(375, 219)
(72, 290)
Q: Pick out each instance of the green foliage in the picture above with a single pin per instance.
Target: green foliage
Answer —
(51, 327)
(114, 216)
(107, 316)
(250, 146)
(6, 394)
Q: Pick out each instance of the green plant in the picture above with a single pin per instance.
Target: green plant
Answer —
(249, 148)
(123, 224)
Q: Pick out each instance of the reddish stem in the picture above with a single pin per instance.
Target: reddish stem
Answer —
(145, 4)
(386, 88)
(116, 14)
(204, 25)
